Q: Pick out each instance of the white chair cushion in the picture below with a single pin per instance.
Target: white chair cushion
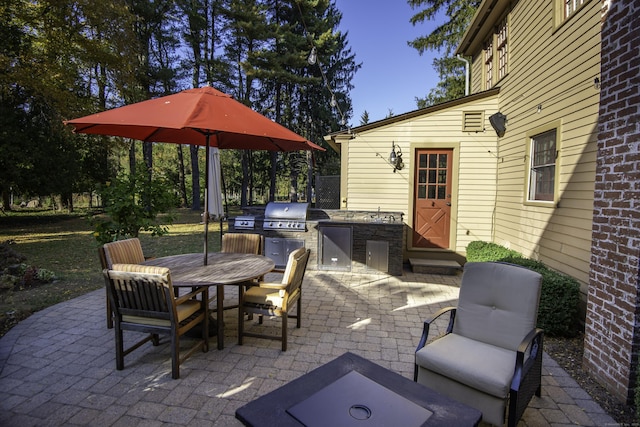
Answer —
(481, 366)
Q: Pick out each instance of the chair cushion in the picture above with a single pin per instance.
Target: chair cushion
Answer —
(184, 310)
(136, 268)
(264, 296)
(498, 303)
(127, 251)
(289, 271)
(481, 366)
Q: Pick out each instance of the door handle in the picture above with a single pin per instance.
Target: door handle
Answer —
(448, 203)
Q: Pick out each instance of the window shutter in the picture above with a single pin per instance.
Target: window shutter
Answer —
(473, 121)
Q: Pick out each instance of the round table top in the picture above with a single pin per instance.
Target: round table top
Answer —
(223, 268)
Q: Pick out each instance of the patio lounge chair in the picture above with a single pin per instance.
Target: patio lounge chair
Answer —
(276, 299)
(143, 300)
(128, 251)
(491, 353)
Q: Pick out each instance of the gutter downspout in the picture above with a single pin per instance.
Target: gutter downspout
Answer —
(466, 74)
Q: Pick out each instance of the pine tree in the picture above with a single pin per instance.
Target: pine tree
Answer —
(444, 39)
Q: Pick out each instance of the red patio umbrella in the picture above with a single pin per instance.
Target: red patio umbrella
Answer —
(203, 116)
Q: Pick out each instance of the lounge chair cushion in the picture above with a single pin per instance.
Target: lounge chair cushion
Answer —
(498, 305)
(481, 366)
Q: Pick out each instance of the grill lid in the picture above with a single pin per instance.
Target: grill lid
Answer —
(279, 210)
(285, 216)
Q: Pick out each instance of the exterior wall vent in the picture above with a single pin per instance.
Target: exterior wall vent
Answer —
(473, 121)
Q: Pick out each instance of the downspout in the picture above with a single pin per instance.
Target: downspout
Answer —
(466, 74)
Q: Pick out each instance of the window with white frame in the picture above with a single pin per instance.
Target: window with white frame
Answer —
(570, 6)
(542, 173)
(496, 54)
(501, 48)
(488, 64)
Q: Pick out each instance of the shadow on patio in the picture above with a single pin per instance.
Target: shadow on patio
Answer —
(58, 366)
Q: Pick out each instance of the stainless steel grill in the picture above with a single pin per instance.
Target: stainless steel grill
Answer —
(285, 216)
(244, 223)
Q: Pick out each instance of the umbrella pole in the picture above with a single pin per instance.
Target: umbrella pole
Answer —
(206, 202)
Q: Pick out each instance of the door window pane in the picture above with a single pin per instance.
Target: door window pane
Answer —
(423, 161)
(432, 192)
(422, 192)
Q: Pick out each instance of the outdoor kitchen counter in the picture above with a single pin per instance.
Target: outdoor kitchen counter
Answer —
(360, 221)
(374, 229)
(376, 243)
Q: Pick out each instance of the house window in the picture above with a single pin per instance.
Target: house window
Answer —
(488, 64)
(501, 47)
(496, 54)
(570, 6)
(543, 167)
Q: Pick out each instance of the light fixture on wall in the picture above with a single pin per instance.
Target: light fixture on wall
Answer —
(396, 158)
(313, 56)
(498, 123)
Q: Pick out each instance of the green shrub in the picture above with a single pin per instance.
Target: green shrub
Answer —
(133, 204)
(560, 295)
(480, 251)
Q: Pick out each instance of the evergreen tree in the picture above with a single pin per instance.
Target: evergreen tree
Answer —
(444, 39)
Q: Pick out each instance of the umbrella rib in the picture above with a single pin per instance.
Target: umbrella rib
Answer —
(148, 137)
(276, 144)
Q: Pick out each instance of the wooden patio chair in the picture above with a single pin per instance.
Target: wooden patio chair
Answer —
(490, 356)
(244, 243)
(276, 299)
(128, 251)
(143, 300)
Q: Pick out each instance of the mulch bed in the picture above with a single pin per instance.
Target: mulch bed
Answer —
(567, 352)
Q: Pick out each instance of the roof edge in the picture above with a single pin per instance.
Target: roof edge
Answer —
(481, 25)
(415, 113)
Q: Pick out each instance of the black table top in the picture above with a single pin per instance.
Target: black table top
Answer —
(271, 409)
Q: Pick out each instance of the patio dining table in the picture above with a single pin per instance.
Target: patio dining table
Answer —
(223, 268)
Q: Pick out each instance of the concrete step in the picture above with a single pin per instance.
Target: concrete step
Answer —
(434, 266)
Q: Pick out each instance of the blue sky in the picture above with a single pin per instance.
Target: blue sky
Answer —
(393, 74)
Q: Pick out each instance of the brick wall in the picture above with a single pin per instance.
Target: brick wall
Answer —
(612, 330)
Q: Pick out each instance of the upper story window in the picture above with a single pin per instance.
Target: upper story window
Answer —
(496, 55)
(501, 47)
(571, 6)
(488, 65)
(542, 167)
(565, 9)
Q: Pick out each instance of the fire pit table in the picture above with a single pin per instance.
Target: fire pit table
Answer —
(352, 391)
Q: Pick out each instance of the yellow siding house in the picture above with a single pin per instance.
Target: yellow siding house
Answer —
(511, 163)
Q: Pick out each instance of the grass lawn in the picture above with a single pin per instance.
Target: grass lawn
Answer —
(64, 244)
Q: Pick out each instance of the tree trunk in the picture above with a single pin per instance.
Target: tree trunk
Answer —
(195, 176)
(183, 187)
(132, 158)
(245, 178)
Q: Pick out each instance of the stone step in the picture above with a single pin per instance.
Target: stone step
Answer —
(434, 266)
